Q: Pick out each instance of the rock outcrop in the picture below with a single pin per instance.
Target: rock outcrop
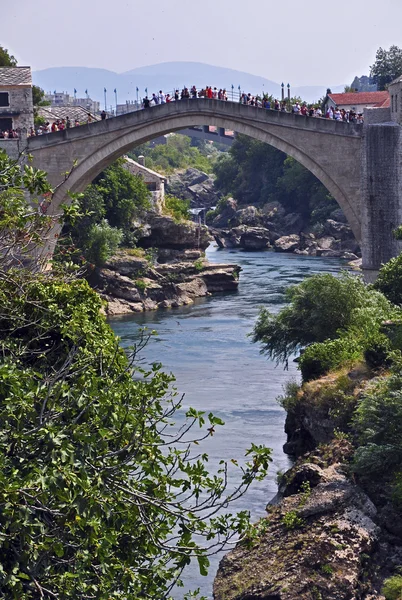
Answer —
(316, 542)
(130, 284)
(193, 185)
(163, 231)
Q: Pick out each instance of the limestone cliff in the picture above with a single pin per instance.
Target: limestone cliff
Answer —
(328, 536)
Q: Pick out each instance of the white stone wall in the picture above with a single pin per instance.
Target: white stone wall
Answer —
(20, 101)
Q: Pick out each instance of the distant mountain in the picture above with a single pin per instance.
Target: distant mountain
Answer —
(166, 76)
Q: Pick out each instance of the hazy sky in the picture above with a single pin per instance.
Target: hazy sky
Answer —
(299, 41)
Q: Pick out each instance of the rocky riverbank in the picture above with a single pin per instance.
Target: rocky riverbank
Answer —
(329, 536)
(167, 270)
(254, 228)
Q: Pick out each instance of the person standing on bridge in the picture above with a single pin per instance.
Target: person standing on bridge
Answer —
(103, 115)
(161, 97)
(146, 102)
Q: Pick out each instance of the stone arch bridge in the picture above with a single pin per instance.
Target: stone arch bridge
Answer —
(356, 163)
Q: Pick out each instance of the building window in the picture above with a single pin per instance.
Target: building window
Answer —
(4, 99)
(151, 185)
(392, 102)
(396, 103)
(6, 124)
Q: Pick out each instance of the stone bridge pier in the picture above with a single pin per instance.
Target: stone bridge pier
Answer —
(361, 166)
(381, 187)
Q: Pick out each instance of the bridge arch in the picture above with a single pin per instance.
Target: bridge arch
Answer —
(330, 150)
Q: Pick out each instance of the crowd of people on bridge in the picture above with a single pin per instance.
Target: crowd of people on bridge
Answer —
(265, 101)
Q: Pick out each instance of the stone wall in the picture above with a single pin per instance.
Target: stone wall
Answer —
(13, 147)
(20, 108)
(382, 194)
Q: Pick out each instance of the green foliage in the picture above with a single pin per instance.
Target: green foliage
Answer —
(177, 153)
(378, 422)
(290, 397)
(387, 66)
(389, 280)
(38, 96)
(177, 208)
(291, 520)
(22, 227)
(327, 570)
(320, 308)
(100, 491)
(199, 265)
(107, 209)
(392, 588)
(319, 358)
(256, 173)
(7, 59)
(377, 350)
(140, 285)
(102, 242)
(125, 195)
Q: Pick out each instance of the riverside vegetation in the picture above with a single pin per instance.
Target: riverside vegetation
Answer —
(101, 495)
(335, 533)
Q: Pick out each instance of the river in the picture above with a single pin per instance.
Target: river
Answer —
(207, 347)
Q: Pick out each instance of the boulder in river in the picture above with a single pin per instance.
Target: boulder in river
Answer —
(287, 243)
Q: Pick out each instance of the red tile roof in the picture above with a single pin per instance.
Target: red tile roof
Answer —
(356, 98)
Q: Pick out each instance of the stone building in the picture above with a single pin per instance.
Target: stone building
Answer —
(356, 101)
(155, 182)
(16, 104)
(395, 92)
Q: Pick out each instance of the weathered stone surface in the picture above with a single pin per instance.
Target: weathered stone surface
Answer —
(312, 547)
(168, 233)
(164, 286)
(193, 185)
(127, 264)
(287, 243)
(228, 216)
(249, 216)
(255, 238)
(328, 243)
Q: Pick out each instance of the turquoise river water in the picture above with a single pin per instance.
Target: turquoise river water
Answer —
(207, 347)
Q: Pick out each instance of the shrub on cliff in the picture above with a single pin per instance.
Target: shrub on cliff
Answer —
(320, 358)
(389, 280)
(320, 308)
(378, 422)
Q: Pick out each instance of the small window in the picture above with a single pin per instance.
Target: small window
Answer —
(151, 186)
(6, 124)
(392, 103)
(4, 100)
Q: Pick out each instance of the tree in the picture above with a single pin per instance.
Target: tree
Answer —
(387, 66)
(322, 307)
(102, 242)
(101, 495)
(177, 153)
(389, 280)
(125, 195)
(38, 96)
(7, 59)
